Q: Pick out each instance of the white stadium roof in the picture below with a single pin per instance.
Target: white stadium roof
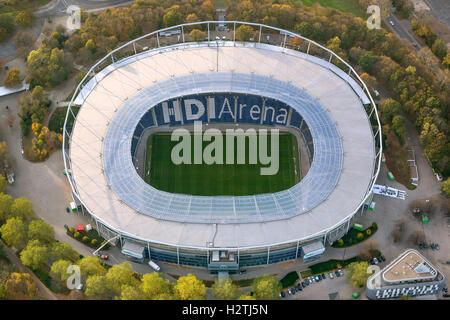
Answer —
(101, 139)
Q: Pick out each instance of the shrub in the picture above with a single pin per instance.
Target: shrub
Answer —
(368, 232)
(85, 239)
(72, 230)
(94, 242)
(360, 235)
(340, 242)
(76, 235)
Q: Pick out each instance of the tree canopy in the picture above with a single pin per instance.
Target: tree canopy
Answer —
(190, 288)
(266, 287)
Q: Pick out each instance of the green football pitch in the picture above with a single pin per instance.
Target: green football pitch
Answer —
(219, 179)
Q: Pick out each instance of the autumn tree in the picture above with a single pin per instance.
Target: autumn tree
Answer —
(62, 250)
(5, 206)
(197, 35)
(120, 275)
(445, 187)
(224, 289)
(439, 48)
(357, 274)
(366, 60)
(3, 184)
(173, 16)
(14, 232)
(22, 208)
(23, 41)
(154, 287)
(266, 287)
(35, 255)
(399, 127)
(131, 293)
(6, 25)
(190, 288)
(12, 77)
(244, 33)
(47, 66)
(24, 19)
(59, 269)
(20, 286)
(39, 230)
(97, 287)
(90, 266)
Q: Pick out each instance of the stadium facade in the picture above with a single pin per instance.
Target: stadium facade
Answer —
(279, 79)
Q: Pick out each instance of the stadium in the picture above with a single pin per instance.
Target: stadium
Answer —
(115, 146)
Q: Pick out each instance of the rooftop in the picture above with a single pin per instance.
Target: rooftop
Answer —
(409, 266)
(294, 77)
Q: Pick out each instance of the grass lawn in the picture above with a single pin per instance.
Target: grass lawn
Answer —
(56, 121)
(22, 5)
(219, 179)
(350, 6)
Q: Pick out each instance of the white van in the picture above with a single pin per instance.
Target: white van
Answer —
(154, 266)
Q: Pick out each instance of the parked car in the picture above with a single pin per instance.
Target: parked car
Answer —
(104, 256)
(242, 271)
(303, 284)
(323, 276)
(381, 258)
(439, 177)
(316, 277)
(330, 274)
(436, 246)
(338, 274)
(282, 294)
(392, 23)
(341, 272)
(67, 210)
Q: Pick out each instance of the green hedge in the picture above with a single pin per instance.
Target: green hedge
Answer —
(330, 265)
(289, 279)
(91, 235)
(351, 238)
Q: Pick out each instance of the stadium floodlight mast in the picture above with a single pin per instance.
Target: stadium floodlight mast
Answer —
(104, 67)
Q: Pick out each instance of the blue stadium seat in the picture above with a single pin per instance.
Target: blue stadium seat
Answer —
(296, 119)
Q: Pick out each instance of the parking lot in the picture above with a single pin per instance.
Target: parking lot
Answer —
(326, 289)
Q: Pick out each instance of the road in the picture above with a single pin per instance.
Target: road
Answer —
(401, 31)
(440, 9)
(59, 7)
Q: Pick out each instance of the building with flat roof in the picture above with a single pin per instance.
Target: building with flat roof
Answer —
(410, 274)
(293, 81)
